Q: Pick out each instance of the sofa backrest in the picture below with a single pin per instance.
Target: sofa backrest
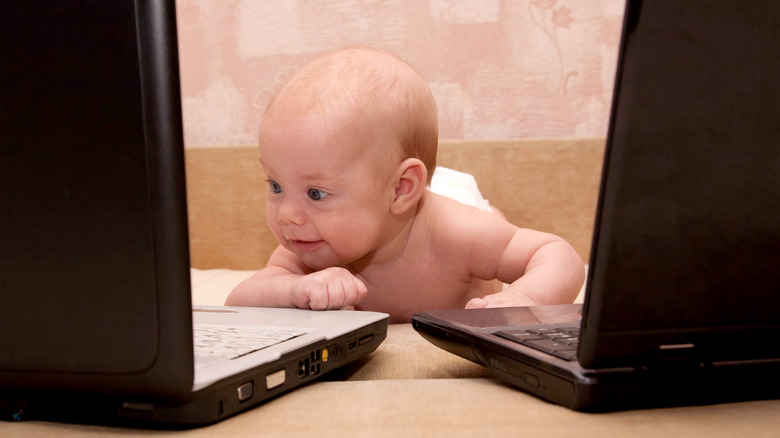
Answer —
(549, 185)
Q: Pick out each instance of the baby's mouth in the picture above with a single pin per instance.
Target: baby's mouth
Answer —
(306, 245)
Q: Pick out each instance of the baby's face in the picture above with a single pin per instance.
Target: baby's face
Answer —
(326, 201)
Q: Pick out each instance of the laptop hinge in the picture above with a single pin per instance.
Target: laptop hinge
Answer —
(676, 361)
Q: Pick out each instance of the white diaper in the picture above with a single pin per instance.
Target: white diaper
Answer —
(459, 186)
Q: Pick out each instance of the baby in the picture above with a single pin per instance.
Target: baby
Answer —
(348, 146)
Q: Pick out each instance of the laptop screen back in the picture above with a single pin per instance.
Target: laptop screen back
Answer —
(687, 241)
(94, 255)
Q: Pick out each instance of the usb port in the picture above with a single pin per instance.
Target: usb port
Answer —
(366, 339)
(303, 368)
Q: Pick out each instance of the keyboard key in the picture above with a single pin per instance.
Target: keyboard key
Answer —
(214, 344)
(518, 335)
(547, 345)
(558, 341)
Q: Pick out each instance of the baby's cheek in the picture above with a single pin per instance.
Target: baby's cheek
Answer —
(270, 216)
(276, 231)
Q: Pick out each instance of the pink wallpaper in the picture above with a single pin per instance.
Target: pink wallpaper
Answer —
(498, 68)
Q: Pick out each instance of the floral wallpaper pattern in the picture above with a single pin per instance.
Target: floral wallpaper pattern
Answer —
(498, 69)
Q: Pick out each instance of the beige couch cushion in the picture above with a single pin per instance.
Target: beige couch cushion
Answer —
(548, 185)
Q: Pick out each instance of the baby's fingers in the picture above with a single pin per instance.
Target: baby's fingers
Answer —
(334, 288)
(505, 298)
(321, 297)
(477, 303)
(345, 293)
(359, 291)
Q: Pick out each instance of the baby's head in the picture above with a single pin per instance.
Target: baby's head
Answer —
(347, 145)
(368, 89)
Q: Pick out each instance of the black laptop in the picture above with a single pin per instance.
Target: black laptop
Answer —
(682, 298)
(96, 320)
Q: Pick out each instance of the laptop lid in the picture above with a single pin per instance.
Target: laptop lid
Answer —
(685, 253)
(680, 304)
(94, 261)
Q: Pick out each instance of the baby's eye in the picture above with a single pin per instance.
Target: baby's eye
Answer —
(275, 187)
(316, 195)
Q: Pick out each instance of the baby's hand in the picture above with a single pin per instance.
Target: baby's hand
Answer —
(331, 288)
(508, 297)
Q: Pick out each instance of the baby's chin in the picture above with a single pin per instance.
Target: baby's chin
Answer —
(318, 263)
(322, 258)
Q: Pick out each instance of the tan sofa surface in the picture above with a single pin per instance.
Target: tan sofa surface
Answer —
(408, 387)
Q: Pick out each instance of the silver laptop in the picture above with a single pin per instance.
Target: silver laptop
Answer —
(97, 323)
(682, 294)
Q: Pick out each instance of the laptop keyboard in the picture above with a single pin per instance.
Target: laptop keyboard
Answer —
(220, 343)
(558, 341)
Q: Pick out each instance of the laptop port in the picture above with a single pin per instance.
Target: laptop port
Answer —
(275, 379)
(245, 391)
(303, 368)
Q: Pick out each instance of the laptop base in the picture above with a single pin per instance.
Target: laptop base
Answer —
(210, 405)
(671, 381)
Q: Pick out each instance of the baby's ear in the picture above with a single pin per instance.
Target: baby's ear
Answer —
(411, 179)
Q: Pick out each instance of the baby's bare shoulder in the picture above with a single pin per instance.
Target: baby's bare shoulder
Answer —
(452, 224)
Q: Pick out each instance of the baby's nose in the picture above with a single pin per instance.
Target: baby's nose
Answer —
(290, 213)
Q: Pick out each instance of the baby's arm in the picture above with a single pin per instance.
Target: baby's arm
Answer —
(286, 282)
(541, 268)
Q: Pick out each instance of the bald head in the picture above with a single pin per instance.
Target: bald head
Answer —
(372, 85)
